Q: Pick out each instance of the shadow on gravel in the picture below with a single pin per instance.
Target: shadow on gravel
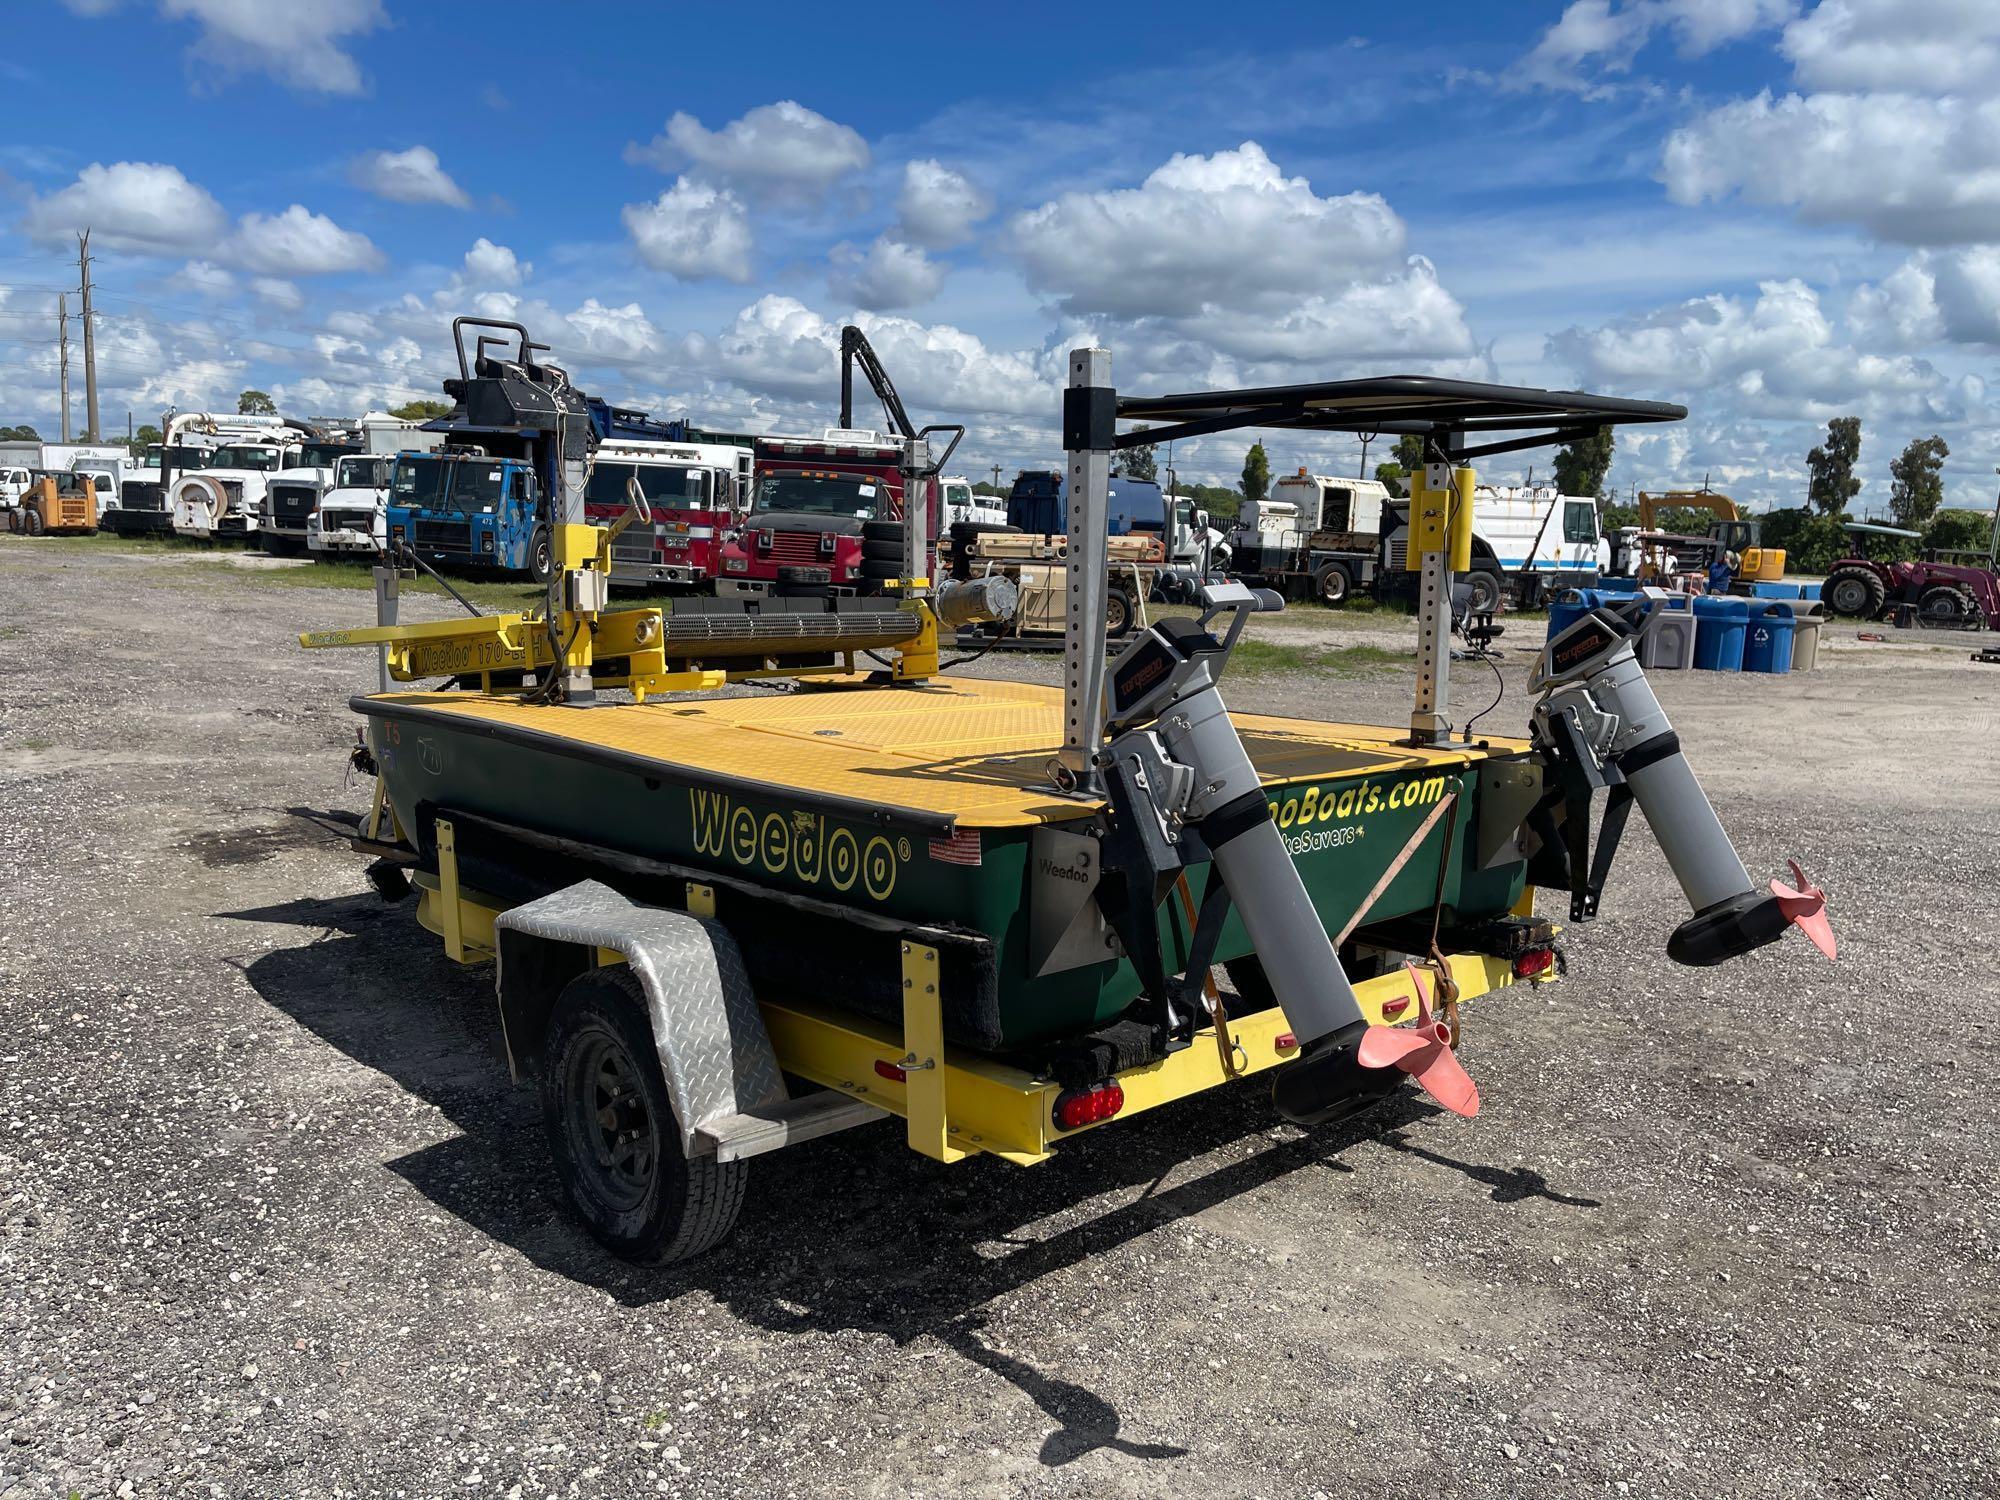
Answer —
(850, 1232)
(1509, 1184)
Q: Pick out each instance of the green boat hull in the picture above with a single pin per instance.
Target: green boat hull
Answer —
(1343, 832)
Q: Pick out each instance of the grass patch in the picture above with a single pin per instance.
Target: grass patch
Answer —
(38, 745)
(1257, 657)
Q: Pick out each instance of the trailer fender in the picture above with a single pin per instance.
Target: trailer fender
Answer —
(714, 1051)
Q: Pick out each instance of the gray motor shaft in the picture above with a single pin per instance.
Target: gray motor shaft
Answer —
(1285, 930)
(1647, 753)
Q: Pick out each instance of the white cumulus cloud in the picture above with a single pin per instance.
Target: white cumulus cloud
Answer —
(1912, 170)
(775, 151)
(1596, 37)
(888, 274)
(299, 242)
(937, 207)
(301, 42)
(692, 231)
(278, 292)
(488, 264)
(1903, 46)
(412, 176)
(142, 206)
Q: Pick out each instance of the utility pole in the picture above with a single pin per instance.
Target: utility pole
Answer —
(89, 340)
(996, 476)
(1993, 542)
(62, 348)
(1366, 439)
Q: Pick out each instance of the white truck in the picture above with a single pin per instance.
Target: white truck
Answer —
(225, 497)
(295, 495)
(1527, 543)
(962, 505)
(1315, 537)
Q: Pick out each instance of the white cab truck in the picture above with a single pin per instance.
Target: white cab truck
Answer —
(225, 497)
(962, 506)
(295, 495)
(1317, 536)
(1527, 542)
(351, 518)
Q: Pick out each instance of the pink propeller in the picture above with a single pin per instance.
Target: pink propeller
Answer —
(1805, 907)
(1422, 1050)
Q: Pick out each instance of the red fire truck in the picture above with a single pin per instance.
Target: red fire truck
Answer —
(697, 493)
(803, 533)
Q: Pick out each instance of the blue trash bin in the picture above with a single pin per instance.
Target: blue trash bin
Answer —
(1567, 608)
(1767, 643)
(1720, 625)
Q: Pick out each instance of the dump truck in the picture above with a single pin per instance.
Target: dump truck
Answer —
(990, 912)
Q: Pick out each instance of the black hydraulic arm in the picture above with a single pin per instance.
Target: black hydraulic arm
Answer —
(855, 349)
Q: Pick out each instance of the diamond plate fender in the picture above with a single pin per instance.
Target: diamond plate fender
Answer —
(714, 1052)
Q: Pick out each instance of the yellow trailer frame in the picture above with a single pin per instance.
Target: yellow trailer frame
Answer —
(956, 1103)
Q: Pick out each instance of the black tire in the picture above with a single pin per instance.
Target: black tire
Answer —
(1948, 606)
(882, 551)
(875, 567)
(1333, 583)
(882, 531)
(541, 555)
(611, 1129)
(966, 531)
(31, 521)
(1488, 592)
(1117, 614)
(1854, 593)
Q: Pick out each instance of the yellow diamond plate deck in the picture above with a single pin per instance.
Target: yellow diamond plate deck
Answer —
(968, 748)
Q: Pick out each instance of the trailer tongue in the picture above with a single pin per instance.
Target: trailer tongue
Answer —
(993, 909)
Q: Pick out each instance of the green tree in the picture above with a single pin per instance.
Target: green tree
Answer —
(1581, 465)
(1959, 531)
(254, 403)
(21, 434)
(1830, 467)
(1256, 473)
(1140, 462)
(1612, 516)
(144, 438)
(981, 487)
(1916, 482)
(421, 411)
(1391, 477)
(1221, 502)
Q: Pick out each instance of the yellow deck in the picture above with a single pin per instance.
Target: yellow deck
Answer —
(969, 748)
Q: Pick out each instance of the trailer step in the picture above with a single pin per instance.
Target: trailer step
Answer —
(820, 1113)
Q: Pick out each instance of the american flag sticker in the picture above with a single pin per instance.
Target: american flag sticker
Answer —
(960, 847)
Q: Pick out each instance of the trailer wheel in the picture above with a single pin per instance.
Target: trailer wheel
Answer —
(1117, 613)
(1487, 594)
(611, 1129)
(541, 555)
(1333, 584)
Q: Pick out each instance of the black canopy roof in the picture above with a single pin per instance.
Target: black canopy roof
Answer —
(1449, 410)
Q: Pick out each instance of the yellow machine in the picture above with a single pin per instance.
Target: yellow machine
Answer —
(57, 502)
(1731, 531)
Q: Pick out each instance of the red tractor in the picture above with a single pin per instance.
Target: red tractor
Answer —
(1959, 595)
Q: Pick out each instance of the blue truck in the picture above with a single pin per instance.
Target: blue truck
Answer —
(1037, 506)
(468, 509)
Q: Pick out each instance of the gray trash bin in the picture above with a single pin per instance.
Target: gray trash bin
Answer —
(1808, 615)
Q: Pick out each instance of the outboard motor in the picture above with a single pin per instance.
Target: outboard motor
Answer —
(1599, 724)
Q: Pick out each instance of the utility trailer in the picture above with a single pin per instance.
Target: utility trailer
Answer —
(989, 910)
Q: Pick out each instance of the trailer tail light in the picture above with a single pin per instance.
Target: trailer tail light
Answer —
(1079, 1107)
(1535, 962)
(1284, 1041)
(890, 1071)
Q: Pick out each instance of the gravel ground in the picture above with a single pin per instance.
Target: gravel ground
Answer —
(272, 1222)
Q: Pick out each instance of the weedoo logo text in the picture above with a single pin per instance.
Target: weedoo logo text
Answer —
(799, 844)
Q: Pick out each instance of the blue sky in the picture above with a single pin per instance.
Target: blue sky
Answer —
(1774, 211)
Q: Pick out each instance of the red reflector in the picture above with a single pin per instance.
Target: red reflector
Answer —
(1285, 1041)
(1080, 1107)
(890, 1071)
(1534, 961)
(1397, 1006)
